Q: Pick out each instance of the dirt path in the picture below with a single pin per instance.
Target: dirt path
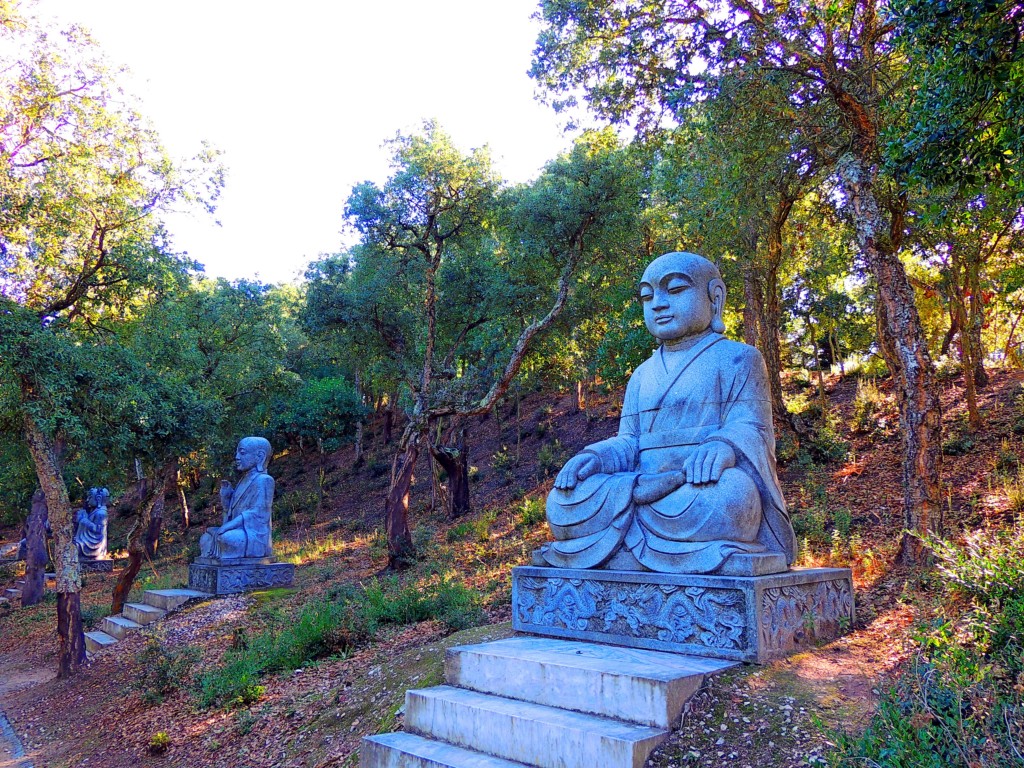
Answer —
(17, 673)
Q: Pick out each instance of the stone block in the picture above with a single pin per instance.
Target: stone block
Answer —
(142, 613)
(741, 618)
(639, 686)
(407, 750)
(171, 599)
(96, 641)
(229, 577)
(119, 626)
(96, 566)
(533, 734)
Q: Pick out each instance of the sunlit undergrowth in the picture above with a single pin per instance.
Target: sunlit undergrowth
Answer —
(347, 618)
(960, 701)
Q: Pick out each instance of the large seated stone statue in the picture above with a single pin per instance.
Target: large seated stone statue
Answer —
(237, 555)
(690, 478)
(245, 531)
(91, 526)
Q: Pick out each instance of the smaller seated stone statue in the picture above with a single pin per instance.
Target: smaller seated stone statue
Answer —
(91, 526)
(245, 531)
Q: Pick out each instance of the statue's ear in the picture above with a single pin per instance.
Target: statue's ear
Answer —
(716, 290)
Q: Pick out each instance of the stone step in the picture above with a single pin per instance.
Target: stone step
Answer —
(534, 734)
(142, 613)
(4, 600)
(19, 583)
(13, 593)
(119, 626)
(95, 641)
(645, 687)
(171, 599)
(407, 750)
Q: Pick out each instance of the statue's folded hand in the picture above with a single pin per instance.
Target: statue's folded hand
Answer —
(578, 468)
(707, 463)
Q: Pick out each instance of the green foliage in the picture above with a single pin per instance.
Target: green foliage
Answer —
(550, 459)
(163, 669)
(350, 617)
(958, 444)
(92, 615)
(159, 743)
(478, 529)
(826, 444)
(868, 403)
(532, 511)
(321, 409)
(960, 701)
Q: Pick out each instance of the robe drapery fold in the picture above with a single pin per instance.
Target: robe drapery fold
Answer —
(716, 390)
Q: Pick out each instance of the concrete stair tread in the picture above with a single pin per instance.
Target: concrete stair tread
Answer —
(612, 659)
(408, 750)
(170, 599)
(96, 640)
(11, 592)
(119, 626)
(639, 686)
(535, 734)
(142, 613)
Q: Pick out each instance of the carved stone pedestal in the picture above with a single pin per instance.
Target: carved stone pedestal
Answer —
(742, 618)
(105, 565)
(244, 574)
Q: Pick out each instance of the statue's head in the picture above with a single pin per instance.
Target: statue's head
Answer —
(97, 497)
(682, 295)
(253, 452)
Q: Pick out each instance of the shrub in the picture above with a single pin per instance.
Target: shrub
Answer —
(826, 444)
(1006, 459)
(550, 459)
(92, 615)
(532, 512)
(868, 403)
(159, 743)
(164, 670)
(958, 444)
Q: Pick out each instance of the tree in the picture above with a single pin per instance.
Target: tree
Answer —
(454, 279)
(82, 180)
(635, 60)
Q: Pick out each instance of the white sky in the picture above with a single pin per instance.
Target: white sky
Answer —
(301, 95)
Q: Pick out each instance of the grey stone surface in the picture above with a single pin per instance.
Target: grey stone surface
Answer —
(12, 593)
(142, 613)
(171, 599)
(407, 750)
(638, 686)
(245, 529)
(690, 480)
(229, 578)
(96, 641)
(119, 626)
(105, 565)
(752, 619)
(529, 733)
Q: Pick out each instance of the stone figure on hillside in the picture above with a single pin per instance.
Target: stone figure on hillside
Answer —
(245, 531)
(690, 478)
(91, 525)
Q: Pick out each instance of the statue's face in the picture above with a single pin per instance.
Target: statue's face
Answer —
(675, 299)
(245, 457)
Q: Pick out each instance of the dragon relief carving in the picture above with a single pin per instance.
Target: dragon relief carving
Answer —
(796, 615)
(669, 613)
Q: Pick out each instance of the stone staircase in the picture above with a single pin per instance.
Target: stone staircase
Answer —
(12, 594)
(544, 703)
(156, 603)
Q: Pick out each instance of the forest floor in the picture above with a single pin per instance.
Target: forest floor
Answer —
(328, 522)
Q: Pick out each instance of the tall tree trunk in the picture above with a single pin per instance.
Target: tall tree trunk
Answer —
(976, 321)
(151, 494)
(183, 500)
(905, 349)
(358, 461)
(401, 552)
(69, 578)
(35, 552)
(968, 356)
(771, 306)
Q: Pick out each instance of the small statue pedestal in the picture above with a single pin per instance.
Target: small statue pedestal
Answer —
(243, 574)
(101, 565)
(753, 618)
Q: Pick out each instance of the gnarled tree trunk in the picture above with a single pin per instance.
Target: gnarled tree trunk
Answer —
(905, 349)
(35, 552)
(401, 551)
(454, 460)
(151, 502)
(69, 578)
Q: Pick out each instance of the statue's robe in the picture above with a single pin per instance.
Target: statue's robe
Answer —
(91, 533)
(252, 500)
(716, 390)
